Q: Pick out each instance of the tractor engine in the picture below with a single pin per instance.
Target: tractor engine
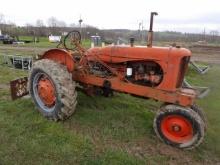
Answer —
(99, 69)
(146, 73)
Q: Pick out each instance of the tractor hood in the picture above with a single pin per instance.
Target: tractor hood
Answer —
(118, 54)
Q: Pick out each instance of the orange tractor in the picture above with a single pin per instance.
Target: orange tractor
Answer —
(142, 71)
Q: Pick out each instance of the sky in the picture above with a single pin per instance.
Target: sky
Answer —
(174, 15)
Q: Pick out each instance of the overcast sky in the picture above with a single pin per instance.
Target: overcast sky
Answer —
(185, 15)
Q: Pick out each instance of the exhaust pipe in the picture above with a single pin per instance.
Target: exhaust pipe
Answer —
(132, 41)
(150, 32)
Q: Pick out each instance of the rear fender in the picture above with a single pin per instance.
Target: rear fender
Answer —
(61, 56)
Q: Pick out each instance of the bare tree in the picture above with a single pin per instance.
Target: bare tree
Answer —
(73, 25)
(29, 29)
(52, 22)
(40, 28)
(61, 24)
(11, 28)
(214, 35)
(39, 23)
(2, 23)
(56, 26)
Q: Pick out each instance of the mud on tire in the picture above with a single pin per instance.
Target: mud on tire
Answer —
(64, 89)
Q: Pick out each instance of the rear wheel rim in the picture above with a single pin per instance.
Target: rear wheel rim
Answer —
(177, 128)
(44, 91)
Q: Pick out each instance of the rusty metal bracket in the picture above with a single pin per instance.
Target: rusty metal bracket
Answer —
(200, 69)
(200, 91)
(19, 88)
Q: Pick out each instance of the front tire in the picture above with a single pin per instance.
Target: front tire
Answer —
(201, 113)
(179, 126)
(52, 89)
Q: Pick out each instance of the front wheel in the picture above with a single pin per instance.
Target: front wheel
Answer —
(52, 89)
(201, 113)
(179, 126)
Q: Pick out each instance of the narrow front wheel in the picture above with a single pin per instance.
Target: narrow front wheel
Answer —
(179, 126)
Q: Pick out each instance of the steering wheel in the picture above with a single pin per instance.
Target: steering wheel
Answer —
(72, 39)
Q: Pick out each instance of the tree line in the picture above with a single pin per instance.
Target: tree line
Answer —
(57, 27)
(39, 28)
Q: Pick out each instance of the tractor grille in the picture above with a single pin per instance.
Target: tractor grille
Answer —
(182, 70)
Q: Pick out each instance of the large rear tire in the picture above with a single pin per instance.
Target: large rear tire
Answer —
(52, 89)
(179, 126)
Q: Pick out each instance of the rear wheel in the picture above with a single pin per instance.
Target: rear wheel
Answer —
(52, 89)
(178, 126)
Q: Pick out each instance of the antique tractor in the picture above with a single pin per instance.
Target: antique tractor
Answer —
(142, 71)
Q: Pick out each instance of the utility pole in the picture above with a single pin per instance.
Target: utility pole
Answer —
(139, 30)
(80, 25)
(142, 31)
(204, 37)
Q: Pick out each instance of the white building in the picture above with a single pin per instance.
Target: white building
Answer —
(54, 38)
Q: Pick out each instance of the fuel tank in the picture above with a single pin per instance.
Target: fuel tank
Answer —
(119, 54)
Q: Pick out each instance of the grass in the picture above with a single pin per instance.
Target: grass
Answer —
(44, 42)
(31, 49)
(115, 130)
(211, 105)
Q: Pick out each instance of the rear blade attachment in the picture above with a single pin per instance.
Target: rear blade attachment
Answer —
(19, 88)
